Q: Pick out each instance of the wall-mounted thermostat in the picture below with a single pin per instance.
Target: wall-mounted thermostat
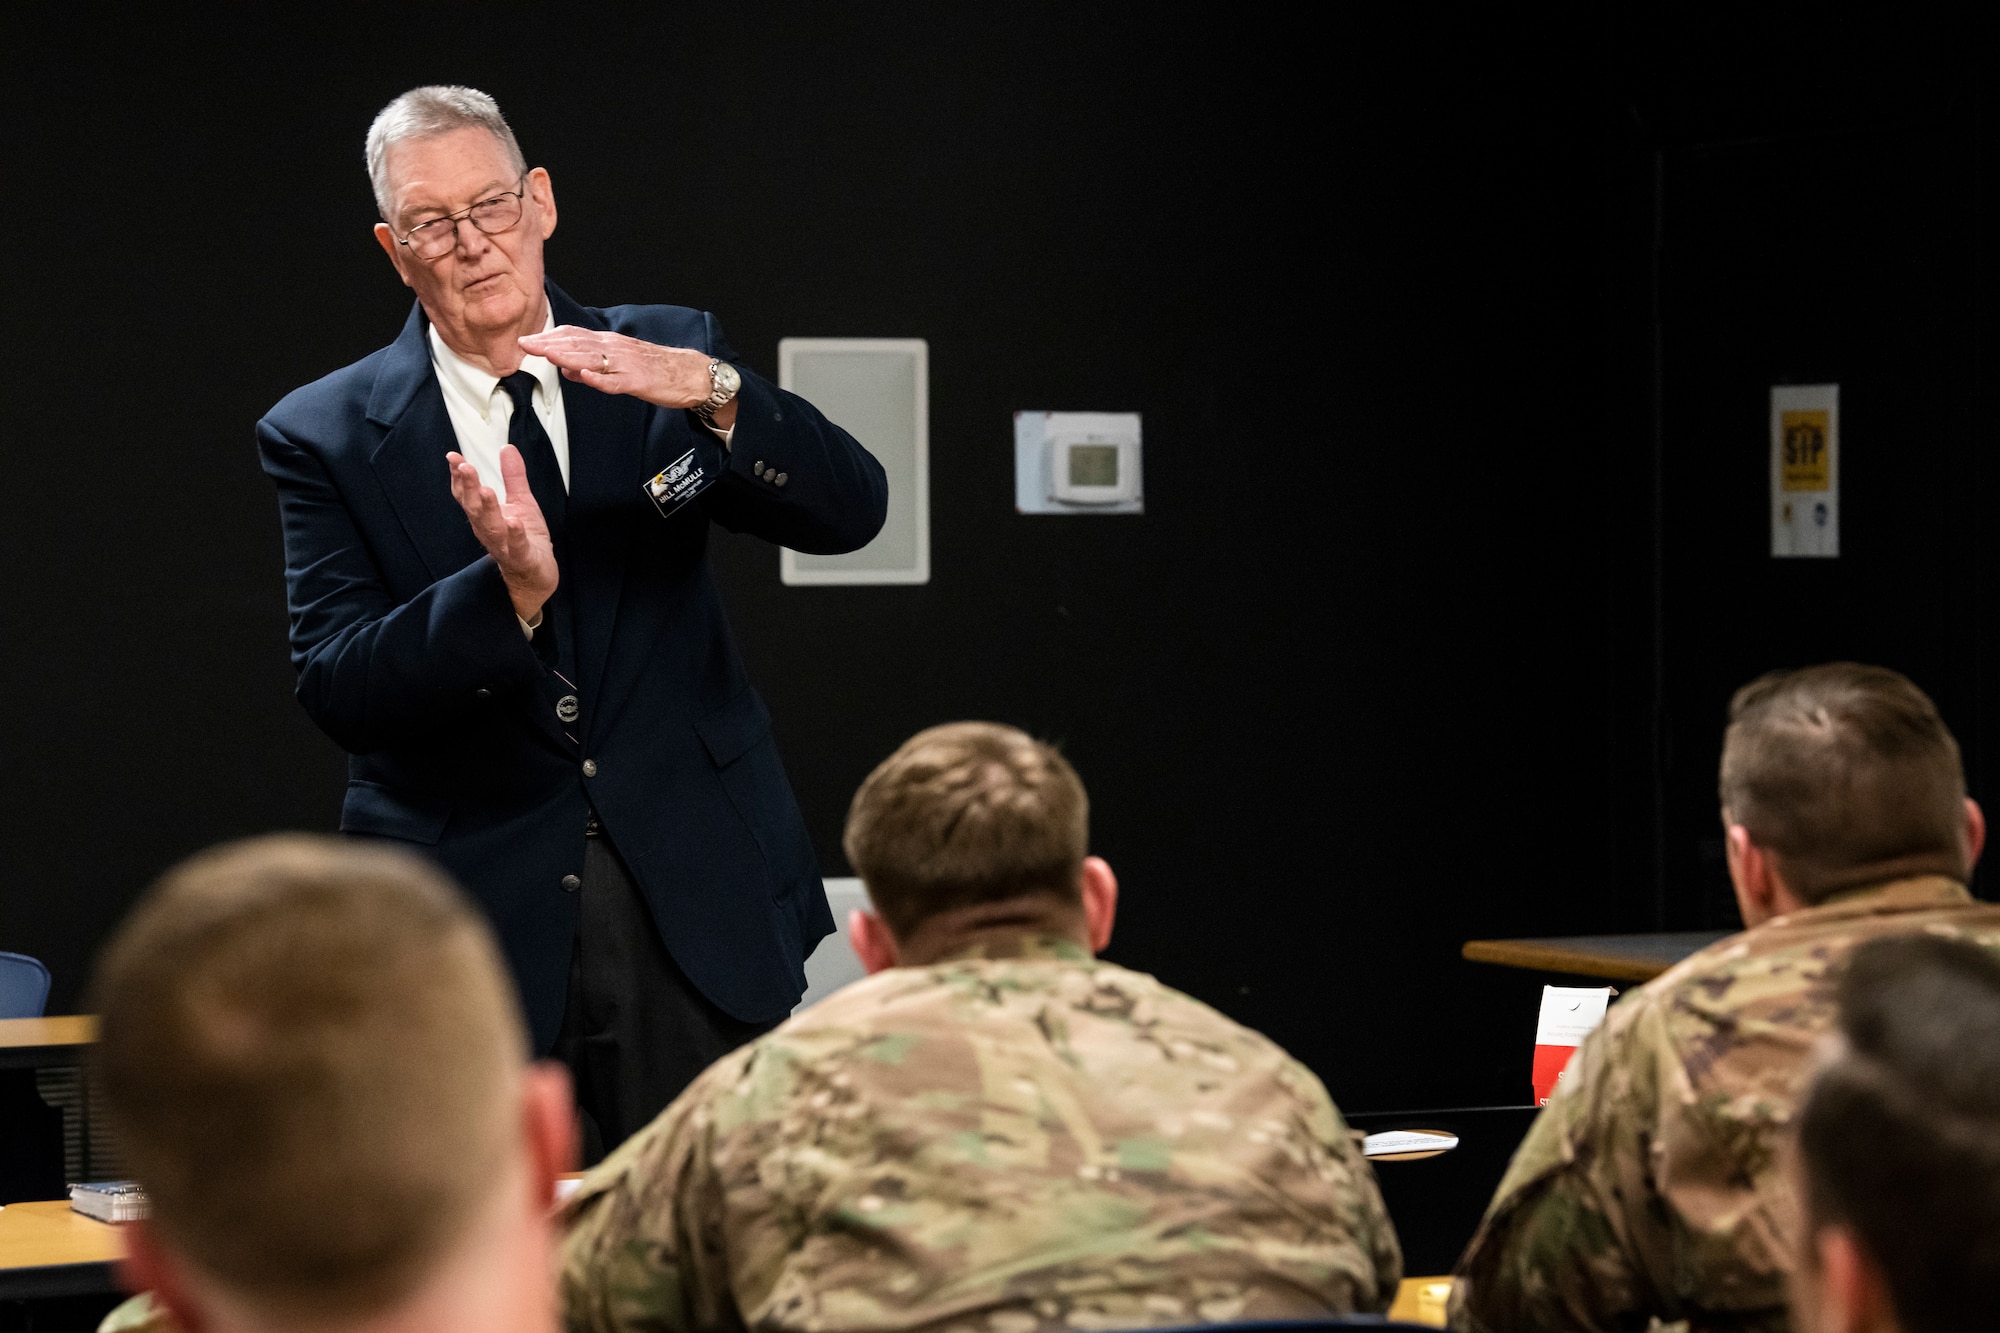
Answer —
(1077, 463)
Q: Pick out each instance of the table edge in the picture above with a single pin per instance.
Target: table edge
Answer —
(90, 1277)
(1539, 957)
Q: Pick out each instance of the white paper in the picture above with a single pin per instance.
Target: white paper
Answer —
(1407, 1140)
(1569, 1013)
(1805, 470)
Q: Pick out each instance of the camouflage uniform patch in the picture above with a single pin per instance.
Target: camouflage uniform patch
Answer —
(1649, 1185)
(992, 1144)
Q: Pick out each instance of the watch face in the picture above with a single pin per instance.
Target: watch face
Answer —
(726, 378)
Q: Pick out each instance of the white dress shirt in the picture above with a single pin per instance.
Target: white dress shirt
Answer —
(481, 410)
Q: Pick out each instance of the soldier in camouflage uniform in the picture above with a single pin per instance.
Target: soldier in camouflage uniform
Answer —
(1650, 1188)
(1897, 1161)
(993, 1132)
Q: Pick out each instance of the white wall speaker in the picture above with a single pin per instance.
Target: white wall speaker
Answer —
(878, 391)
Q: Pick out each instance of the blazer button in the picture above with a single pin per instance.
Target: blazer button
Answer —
(590, 768)
(571, 883)
(782, 478)
(757, 468)
(482, 693)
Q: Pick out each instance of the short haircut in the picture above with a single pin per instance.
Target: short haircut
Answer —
(1899, 1136)
(309, 1051)
(425, 113)
(966, 814)
(1840, 768)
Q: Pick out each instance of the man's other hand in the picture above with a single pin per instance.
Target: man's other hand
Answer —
(513, 530)
(614, 363)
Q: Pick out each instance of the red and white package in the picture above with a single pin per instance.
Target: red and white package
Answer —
(1568, 1015)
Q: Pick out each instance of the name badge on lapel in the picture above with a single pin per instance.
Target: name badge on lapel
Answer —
(681, 481)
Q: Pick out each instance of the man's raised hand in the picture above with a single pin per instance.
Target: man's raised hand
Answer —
(513, 530)
(614, 363)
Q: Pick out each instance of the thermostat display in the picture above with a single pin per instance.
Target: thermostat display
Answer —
(1077, 463)
(1093, 465)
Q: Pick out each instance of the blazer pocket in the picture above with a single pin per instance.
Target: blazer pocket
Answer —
(738, 739)
(733, 728)
(373, 810)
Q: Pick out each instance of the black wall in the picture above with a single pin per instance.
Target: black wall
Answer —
(1391, 662)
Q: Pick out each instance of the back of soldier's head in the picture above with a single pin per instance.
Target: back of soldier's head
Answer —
(309, 1051)
(965, 814)
(1899, 1137)
(1844, 771)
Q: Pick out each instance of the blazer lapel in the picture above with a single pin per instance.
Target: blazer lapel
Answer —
(606, 467)
(409, 461)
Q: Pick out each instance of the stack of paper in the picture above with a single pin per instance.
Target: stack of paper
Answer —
(110, 1200)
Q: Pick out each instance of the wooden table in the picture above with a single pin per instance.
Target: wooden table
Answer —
(1613, 957)
(40, 1043)
(48, 1250)
(1421, 1300)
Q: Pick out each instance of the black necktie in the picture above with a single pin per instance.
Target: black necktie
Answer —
(525, 433)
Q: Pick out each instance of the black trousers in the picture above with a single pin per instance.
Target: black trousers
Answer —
(635, 1030)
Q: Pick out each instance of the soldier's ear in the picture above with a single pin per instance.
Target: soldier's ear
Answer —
(548, 1127)
(873, 944)
(1100, 901)
(1750, 872)
(1853, 1293)
(150, 1267)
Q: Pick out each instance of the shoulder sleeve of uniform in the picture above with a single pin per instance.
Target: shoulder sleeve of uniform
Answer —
(1565, 1241)
(1363, 1216)
(642, 1249)
(1363, 1259)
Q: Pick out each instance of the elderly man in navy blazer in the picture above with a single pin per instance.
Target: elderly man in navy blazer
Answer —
(501, 607)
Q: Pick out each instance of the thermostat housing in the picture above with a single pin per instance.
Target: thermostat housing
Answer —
(1077, 463)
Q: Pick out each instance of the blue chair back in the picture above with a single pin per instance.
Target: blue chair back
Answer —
(24, 986)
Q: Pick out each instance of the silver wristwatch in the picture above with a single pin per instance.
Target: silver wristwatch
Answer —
(723, 382)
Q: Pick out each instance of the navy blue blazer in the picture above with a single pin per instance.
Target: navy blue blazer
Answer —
(409, 655)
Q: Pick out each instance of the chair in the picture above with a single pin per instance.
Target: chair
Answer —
(31, 1140)
(834, 963)
(24, 986)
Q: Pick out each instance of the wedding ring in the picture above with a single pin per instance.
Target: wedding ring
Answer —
(604, 369)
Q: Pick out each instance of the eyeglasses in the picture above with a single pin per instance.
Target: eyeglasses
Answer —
(435, 239)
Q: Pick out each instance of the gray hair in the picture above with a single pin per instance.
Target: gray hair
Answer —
(425, 113)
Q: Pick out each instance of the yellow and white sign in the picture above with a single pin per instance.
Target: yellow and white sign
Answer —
(1805, 470)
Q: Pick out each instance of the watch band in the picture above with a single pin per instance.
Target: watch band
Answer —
(717, 395)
